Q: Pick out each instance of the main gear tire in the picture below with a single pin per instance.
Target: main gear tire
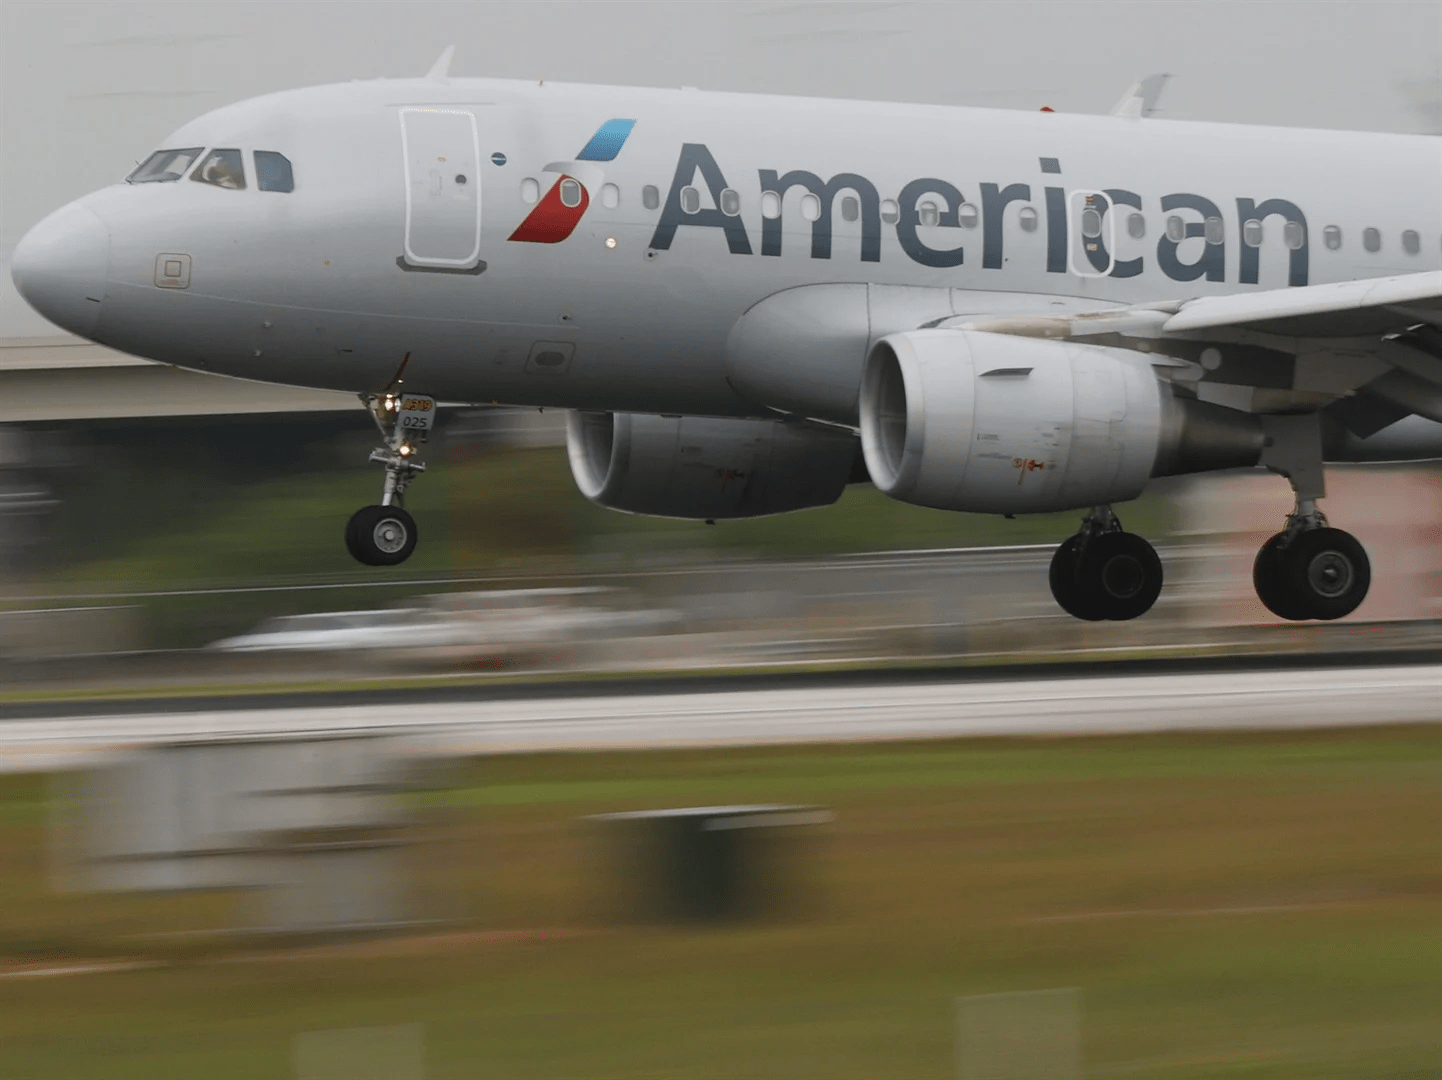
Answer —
(1119, 576)
(1063, 580)
(1326, 573)
(1268, 580)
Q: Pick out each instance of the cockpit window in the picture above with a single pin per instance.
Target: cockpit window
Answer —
(163, 166)
(221, 168)
(273, 172)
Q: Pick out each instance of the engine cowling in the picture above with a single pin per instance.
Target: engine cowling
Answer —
(699, 468)
(967, 420)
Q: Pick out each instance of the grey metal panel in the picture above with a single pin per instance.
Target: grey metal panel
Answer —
(115, 391)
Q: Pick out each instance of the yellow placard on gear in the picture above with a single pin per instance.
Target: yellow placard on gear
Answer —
(416, 412)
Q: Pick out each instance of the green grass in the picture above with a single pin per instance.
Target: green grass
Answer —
(498, 511)
(938, 878)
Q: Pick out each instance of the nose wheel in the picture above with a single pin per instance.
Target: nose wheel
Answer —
(1105, 574)
(381, 535)
(385, 534)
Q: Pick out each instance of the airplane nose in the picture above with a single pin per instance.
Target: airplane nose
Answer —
(61, 265)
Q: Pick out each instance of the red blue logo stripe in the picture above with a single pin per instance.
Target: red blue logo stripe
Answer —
(551, 220)
(607, 142)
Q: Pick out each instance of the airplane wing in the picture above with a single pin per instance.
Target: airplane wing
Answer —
(1282, 350)
(1344, 309)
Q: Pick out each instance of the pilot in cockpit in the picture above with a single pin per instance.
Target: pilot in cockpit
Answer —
(222, 168)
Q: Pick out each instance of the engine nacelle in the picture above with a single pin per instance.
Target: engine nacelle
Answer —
(698, 468)
(966, 420)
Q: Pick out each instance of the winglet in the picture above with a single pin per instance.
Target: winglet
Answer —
(441, 69)
(1141, 99)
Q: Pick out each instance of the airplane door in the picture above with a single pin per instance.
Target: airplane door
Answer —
(1091, 233)
(443, 188)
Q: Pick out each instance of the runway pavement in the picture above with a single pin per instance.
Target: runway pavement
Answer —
(1204, 701)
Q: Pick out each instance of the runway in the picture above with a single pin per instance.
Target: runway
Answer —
(1107, 704)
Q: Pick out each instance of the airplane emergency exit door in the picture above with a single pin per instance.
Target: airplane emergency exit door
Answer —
(443, 188)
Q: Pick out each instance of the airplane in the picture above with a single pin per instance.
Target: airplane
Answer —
(748, 302)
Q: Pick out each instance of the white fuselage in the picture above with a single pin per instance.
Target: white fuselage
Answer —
(380, 251)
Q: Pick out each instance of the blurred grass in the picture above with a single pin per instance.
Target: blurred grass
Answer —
(513, 505)
(943, 875)
(479, 512)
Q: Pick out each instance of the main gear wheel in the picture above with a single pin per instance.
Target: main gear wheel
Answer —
(1320, 573)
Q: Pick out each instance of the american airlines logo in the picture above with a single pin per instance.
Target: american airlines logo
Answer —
(561, 208)
(924, 206)
(1191, 246)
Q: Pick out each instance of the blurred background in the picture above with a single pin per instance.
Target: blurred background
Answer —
(148, 517)
(1201, 904)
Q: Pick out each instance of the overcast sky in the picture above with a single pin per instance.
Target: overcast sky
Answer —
(87, 89)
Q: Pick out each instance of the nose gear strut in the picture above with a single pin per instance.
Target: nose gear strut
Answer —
(384, 534)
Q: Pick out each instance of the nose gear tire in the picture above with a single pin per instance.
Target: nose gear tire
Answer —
(381, 536)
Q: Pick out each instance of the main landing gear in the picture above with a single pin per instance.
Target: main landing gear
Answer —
(384, 534)
(1308, 570)
(1103, 573)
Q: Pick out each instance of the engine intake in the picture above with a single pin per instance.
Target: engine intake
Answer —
(699, 468)
(967, 420)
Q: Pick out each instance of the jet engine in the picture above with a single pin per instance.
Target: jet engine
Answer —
(967, 420)
(700, 468)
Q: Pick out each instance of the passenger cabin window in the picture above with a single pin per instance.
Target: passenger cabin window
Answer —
(610, 196)
(928, 213)
(1091, 223)
(1252, 233)
(1371, 239)
(650, 197)
(530, 191)
(890, 212)
(273, 172)
(730, 202)
(164, 166)
(1213, 230)
(968, 215)
(1176, 229)
(1026, 217)
(690, 200)
(1294, 235)
(1136, 225)
(570, 192)
(810, 207)
(770, 205)
(850, 208)
(1411, 242)
(221, 168)
(1332, 237)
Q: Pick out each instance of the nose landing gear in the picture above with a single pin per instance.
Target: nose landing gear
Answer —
(1103, 573)
(384, 534)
